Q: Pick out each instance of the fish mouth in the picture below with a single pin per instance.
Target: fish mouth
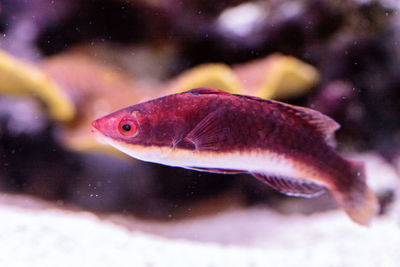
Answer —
(99, 136)
(95, 132)
(95, 125)
(100, 126)
(98, 133)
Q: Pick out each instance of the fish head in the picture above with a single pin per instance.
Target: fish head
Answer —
(143, 131)
(124, 129)
(121, 125)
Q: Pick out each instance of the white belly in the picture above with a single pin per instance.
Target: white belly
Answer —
(257, 161)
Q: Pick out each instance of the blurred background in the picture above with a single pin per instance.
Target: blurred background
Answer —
(64, 63)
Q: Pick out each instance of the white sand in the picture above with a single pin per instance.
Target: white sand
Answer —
(43, 235)
(255, 237)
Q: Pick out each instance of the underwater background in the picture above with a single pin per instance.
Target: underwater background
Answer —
(66, 199)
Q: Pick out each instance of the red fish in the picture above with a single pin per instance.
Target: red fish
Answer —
(287, 147)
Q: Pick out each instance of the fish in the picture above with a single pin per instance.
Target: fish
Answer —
(287, 147)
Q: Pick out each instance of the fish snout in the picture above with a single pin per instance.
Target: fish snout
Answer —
(96, 124)
(106, 125)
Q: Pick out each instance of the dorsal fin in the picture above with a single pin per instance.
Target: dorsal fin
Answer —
(291, 187)
(206, 91)
(322, 123)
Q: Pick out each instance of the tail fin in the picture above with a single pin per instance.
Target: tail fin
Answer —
(359, 202)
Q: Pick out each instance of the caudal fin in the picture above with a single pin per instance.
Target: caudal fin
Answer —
(359, 202)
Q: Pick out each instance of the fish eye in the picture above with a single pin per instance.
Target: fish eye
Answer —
(127, 128)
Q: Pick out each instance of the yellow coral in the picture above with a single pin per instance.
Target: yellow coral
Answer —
(212, 75)
(291, 77)
(276, 76)
(17, 77)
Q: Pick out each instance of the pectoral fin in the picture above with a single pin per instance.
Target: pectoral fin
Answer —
(291, 187)
(207, 134)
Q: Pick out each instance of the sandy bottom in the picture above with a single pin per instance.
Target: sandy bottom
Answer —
(242, 237)
(37, 233)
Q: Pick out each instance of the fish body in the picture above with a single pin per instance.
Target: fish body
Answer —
(289, 148)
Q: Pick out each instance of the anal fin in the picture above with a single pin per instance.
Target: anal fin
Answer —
(291, 187)
(214, 170)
